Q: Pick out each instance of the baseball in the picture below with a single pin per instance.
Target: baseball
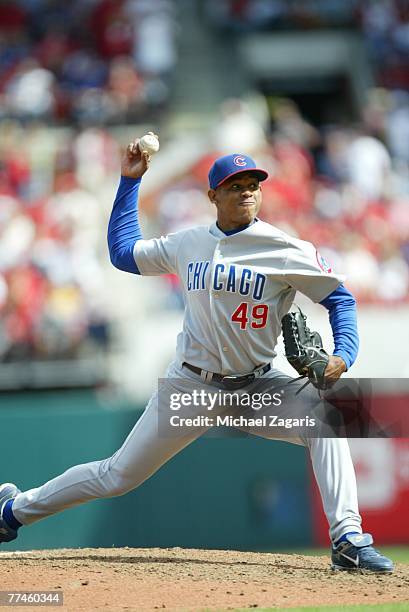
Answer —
(149, 143)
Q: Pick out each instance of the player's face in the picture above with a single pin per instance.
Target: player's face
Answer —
(237, 200)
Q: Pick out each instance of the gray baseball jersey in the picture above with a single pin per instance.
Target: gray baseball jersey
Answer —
(236, 288)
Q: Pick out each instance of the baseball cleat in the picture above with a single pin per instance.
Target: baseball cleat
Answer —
(357, 553)
(7, 491)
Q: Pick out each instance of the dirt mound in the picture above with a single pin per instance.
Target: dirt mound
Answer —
(181, 579)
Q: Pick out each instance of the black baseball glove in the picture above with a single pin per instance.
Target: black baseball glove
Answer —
(304, 349)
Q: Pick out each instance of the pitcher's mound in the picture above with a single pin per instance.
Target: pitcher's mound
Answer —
(184, 579)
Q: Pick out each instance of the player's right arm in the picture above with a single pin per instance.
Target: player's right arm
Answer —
(123, 227)
(128, 250)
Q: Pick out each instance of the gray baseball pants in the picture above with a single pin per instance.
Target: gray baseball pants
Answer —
(153, 441)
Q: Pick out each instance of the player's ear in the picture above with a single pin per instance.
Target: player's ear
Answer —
(212, 195)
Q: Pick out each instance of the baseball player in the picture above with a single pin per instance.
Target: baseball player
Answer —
(239, 277)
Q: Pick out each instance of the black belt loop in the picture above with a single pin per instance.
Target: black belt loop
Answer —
(230, 382)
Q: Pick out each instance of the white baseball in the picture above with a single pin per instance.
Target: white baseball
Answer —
(149, 143)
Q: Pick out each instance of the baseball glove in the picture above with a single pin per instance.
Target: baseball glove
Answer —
(304, 349)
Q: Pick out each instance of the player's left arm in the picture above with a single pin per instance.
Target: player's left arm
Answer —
(341, 306)
(307, 271)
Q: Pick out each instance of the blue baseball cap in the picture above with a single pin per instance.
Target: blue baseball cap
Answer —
(229, 165)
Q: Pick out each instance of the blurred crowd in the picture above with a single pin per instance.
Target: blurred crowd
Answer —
(384, 21)
(384, 24)
(247, 15)
(52, 291)
(345, 187)
(84, 64)
(85, 61)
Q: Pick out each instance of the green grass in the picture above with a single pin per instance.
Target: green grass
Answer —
(398, 554)
(390, 607)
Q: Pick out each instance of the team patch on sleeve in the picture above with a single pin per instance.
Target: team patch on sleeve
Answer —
(323, 264)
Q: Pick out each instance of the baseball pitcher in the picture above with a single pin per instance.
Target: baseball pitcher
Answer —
(239, 277)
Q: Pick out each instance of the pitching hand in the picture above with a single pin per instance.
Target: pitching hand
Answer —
(335, 368)
(134, 163)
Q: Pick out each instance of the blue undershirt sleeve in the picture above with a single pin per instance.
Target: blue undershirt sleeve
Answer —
(341, 306)
(123, 227)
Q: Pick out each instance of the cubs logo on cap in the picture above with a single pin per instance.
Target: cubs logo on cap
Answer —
(239, 160)
(229, 165)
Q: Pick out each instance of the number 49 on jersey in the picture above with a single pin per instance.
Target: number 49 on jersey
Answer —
(257, 315)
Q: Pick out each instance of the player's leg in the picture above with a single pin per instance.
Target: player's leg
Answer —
(330, 456)
(148, 446)
(335, 475)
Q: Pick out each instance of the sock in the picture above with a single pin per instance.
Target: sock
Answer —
(8, 515)
(344, 537)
